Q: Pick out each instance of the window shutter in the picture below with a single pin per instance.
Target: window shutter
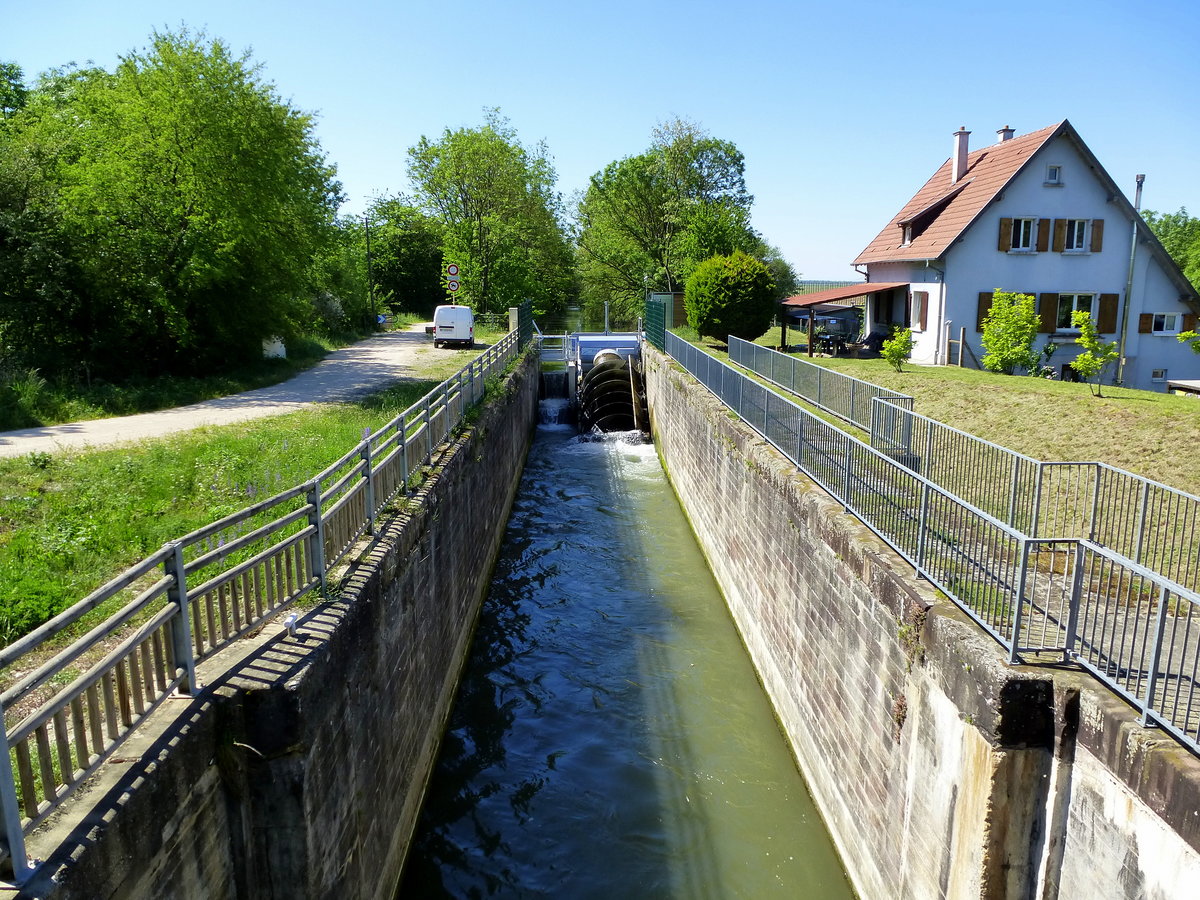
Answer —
(985, 304)
(1005, 242)
(1145, 323)
(922, 300)
(1097, 235)
(1189, 322)
(1048, 310)
(1043, 235)
(1106, 321)
(1060, 235)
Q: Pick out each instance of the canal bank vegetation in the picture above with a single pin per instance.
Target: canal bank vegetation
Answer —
(1147, 433)
(70, 521)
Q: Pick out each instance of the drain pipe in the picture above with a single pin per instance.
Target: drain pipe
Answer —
(1137, 207)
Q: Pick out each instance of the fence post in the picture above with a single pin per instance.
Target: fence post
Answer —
(1143, 506)
(1034, 523)
(923, 526)
(853, 399)
(402, 439)
(1012, 494)
(11, 832)
(181, 625)
(1160, 624)
(1018, 602)
(849, 468)
(369, 472)
(317, 540)
(1074, 602)
(1095, 505)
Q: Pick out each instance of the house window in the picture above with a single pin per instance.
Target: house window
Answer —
(1164, 323)
(908, 235)
(1075, 238)
(1024, 233)
(1054, 175)
(1071, 303)
(1158, 375)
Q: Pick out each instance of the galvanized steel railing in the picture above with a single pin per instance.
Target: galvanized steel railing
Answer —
(194, 597)
(1150, 523)
(847, 398)
(1135, 629)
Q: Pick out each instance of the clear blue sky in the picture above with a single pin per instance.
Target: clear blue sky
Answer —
(842, 109)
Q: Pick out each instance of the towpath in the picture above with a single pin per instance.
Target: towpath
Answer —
(345, 374)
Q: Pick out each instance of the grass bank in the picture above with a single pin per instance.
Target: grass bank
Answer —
(1150, 434)
(71, 521)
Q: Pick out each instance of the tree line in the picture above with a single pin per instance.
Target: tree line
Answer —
(169, 215)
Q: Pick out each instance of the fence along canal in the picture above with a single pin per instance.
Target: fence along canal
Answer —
(196, 595)
(610, 737)
(1070, 561)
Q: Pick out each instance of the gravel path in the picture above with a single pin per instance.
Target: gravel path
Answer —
(344, 375)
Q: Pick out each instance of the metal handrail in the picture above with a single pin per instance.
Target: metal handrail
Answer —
(1133, 628)
(244, 571)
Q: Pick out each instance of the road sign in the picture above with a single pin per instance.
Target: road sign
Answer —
(452, 285)
(452, 270)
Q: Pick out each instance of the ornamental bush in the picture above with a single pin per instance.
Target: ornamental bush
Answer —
(1009, 330)
(898, 348)
(730, 295)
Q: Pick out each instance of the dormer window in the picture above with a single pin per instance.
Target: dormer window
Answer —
(1054, 175)
(908, 234)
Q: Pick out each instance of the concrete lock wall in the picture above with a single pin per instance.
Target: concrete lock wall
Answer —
(940, 770)
(299, 772)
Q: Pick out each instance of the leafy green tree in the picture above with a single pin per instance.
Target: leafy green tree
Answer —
(500, 214)
(406, 257)
(188, 198)
(1096, 355)
(646, 221)
(898, 348)
(12, 90)
(1009, 330)
(1180, 237)
(730, 295)
(1192, 339)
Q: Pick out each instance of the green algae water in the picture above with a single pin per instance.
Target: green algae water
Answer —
(610, 738)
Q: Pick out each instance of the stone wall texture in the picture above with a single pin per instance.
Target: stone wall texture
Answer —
(300, 770)
(941, 771)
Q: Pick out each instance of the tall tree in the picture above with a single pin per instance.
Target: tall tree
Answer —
(501, 215)
(406, 254)
(12, 89)
(1180, 236)
(191, 197)
(646, 221)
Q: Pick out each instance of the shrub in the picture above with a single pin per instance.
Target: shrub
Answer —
(897, 348)
(730, 295)
(1009, 330)
(1096, 355)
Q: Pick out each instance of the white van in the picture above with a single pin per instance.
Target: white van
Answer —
(453, 325)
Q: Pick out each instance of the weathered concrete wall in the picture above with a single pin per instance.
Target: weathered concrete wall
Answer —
(940, 770)
(300, 771)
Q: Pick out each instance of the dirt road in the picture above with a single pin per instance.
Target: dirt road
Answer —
(345, 374)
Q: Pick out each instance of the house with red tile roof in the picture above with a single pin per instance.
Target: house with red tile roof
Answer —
(1039, 215)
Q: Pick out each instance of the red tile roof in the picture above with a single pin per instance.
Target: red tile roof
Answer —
(842, 293)
(950, 208)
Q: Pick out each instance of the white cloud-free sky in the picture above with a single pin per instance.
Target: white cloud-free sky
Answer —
(842, 109)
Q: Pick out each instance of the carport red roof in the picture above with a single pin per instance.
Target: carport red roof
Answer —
(842, 293)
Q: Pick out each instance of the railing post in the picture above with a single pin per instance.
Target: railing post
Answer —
(316, 553)
(923, 527)
(1036, 514)
(1143, 507)
(369, 473)
(1014, 656)
(1074, 602)
(1160, 625)
(1095, 506)
(181, 625)
(402, 439)
(853, 399)
(11, 832)
(849, 469)
(1012, 494)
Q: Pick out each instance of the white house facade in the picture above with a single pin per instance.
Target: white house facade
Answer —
(1034, 214)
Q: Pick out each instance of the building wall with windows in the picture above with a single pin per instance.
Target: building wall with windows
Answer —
(1055, 232)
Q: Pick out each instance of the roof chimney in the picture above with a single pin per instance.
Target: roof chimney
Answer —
(960, 155)
(1004, 134)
